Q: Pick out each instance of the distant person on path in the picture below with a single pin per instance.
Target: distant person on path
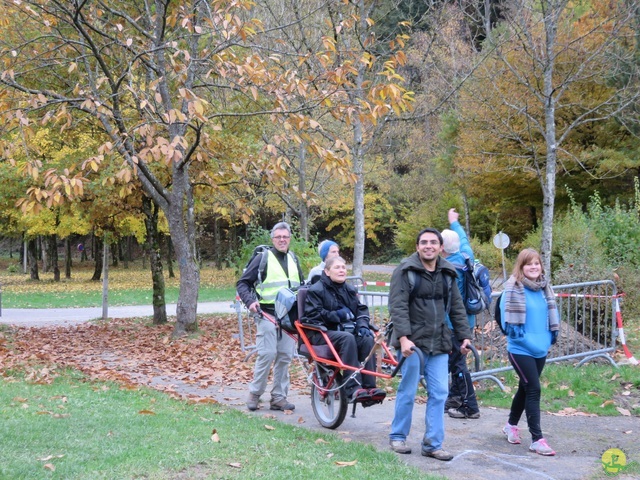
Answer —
(530, 318)
(282, 269)
(333, 303)
(461, 402)
(326, 250)
(422, 295)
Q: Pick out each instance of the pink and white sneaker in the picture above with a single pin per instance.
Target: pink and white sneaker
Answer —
(512, 432)
(541, 447)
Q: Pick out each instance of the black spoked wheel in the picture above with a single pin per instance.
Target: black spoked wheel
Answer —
(329, 403)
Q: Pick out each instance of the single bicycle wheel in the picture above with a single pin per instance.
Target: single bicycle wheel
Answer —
(328, 402)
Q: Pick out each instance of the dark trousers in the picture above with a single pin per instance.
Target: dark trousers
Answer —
(527, 398)
(352, 351)
(461, 383)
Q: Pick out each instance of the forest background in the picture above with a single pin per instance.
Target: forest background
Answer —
(190, 128)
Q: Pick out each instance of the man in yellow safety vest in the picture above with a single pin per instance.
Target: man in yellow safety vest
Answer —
(258, 290)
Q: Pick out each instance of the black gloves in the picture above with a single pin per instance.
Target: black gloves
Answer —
(344, 314)
(554, 337)
(364, 332)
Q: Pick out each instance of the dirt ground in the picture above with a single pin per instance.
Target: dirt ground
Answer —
(213, 366)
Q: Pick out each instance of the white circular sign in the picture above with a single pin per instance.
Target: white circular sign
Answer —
(501, 240)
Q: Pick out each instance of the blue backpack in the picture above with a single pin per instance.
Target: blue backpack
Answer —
(476, 286)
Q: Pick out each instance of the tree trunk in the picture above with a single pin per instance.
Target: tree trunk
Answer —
(23, 251)
(217, 243)
(303, 211)
(32, 257)
(67, 258)
(43, 249)
(153, 248)
(97, 253)
(172, 274)
(53, 256)
(549, 182)
(115, 253)
(182, 226)
(127, 252)
(465, 206)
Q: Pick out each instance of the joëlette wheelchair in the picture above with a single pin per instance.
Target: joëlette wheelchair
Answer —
(328, 375)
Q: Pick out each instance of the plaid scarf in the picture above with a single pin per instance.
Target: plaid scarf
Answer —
(515, 302)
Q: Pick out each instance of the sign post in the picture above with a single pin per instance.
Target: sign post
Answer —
(501, 241)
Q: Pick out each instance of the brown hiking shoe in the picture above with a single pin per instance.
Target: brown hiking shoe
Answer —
(252, 401)
(399, 446)
(438, 454)
(282, 404)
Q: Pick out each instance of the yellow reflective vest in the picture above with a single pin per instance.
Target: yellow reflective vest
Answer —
(275, 278)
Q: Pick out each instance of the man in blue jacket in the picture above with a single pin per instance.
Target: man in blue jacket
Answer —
(461, 402)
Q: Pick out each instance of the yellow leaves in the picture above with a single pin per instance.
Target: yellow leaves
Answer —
(329, 44)
(346, 464)
(146, 412)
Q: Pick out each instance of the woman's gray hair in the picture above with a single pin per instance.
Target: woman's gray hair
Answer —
(450, 241)
(280, 226)
(330, 261)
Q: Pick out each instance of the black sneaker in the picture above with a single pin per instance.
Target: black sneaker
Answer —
(360, 395)
(377, 394)
(462, 413)
(453, 402)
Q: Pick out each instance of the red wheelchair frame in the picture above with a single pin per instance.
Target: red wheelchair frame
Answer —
(327, 375)
(326, 372)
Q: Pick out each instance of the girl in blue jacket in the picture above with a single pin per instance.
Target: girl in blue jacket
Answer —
(530, 318)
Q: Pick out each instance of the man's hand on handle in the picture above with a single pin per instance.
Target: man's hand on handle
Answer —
(465, 346)
(406, 346)
(255, 307)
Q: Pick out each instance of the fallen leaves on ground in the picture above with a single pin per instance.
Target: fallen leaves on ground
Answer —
(132, 352)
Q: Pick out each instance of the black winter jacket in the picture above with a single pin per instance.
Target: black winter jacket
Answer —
(423, 320)
(325, 297)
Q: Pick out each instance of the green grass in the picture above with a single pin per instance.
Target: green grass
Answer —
(88, 430)
(590, 389)
(117, 297)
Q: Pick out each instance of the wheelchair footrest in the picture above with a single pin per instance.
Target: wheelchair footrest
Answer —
(368, 403)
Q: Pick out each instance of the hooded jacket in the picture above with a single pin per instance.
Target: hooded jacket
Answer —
(325, 297)
(424, 320)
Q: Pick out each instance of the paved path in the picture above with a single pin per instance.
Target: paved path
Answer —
(36, 317)
(480, 448)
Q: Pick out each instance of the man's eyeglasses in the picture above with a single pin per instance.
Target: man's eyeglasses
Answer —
(282, 237)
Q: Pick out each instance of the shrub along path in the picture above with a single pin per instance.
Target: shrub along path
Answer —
(210, 366)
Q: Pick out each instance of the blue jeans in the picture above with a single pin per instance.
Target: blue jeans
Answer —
(437, 377)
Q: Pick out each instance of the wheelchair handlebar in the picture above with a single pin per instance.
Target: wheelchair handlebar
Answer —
(418, 352)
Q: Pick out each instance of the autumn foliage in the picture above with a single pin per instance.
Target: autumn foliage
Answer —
(133, 352)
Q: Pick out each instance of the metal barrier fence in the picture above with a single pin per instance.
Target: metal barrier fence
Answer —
(587, 329)
(246, 328)
(587, 317)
